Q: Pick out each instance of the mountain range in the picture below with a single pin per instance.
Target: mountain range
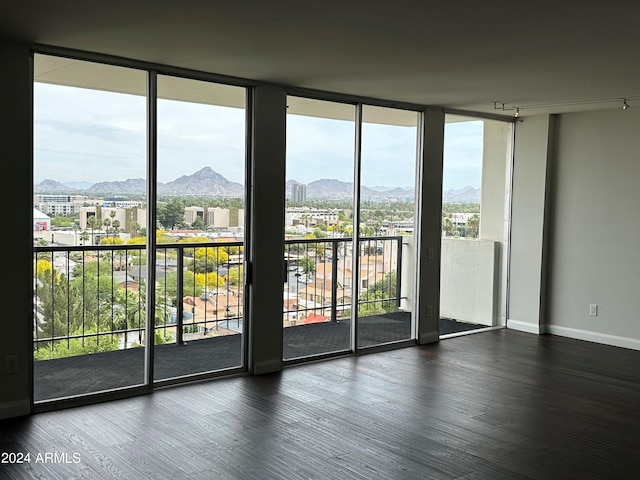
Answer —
(207, 182)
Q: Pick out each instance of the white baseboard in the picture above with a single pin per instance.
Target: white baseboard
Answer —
(595, 337)
(15, 409)
(428, 337)
(526, 326)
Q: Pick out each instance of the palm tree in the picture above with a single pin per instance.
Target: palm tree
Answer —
(92, 221)
(107, 223)
(116, 227)
(84, 236)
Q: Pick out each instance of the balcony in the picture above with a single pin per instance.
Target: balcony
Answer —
(90, 305)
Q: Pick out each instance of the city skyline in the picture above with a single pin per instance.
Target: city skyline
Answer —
(84, 188)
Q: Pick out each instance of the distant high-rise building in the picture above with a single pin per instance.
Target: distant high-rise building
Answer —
(298, 192)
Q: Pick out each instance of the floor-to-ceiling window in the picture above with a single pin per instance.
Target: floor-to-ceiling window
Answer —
(318, 227)
(139, 226)
(350, 226)
(475, 223)
(384, 256)
(124, 159)
(201, 143)
(89, 201)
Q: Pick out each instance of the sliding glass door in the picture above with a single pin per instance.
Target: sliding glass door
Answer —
(475, 223)
(317, 291)
(104, 303)
(384, 254)
(350, 225)
(199, 318)
(89, 200)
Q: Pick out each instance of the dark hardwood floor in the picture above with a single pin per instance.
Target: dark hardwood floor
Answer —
(492, 405)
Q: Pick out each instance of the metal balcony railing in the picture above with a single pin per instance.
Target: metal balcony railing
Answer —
(91, 299)
(321, 281)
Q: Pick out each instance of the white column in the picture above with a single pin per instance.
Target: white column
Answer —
(529, 224)
(495, 160)
(494, 205)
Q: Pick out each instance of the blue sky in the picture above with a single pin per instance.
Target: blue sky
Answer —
(85, 135)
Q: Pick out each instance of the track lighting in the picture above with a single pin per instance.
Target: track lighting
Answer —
(562, 105)
(504, 108)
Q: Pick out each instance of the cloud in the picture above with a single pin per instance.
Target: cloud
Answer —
(89, 135)
(319, 148)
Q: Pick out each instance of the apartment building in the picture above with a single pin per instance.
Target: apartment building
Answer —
(63, 205)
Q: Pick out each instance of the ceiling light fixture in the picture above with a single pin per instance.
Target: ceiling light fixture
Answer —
(505, 108)
(560, 105)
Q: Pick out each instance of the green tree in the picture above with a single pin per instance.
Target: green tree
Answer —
(167, 287)
(89, 305)
(107, 225)
(135, 226)
(447, 225)
(307, 264)
(235, 276)
(115, 228)
(320, 232)
(129, 311)
(89, 343)
(171, 214)
(472, 226)
(95, 224)
(84, 236)
(207, 259)
(198, 224)
(380, 297)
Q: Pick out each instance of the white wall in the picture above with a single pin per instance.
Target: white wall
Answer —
(468, 280)
(595, 228)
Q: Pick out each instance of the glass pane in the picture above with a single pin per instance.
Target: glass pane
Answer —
(89, 201)
(386, 250)
(318, 227)
(474, 223)
(199, 318)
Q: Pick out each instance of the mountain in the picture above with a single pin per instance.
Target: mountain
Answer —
(132, 186)
(467, 194)
(207, 182)
(203, 182)
(396, 192)
(330, 189)
(51, 186)
(79, 185)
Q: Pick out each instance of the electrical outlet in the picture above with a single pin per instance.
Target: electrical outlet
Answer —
(593, 310)
(429, 311)
(10, 364)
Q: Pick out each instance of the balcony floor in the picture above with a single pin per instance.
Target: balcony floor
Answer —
(79, 375)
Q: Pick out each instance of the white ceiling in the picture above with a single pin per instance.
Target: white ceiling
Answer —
(542, 56)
